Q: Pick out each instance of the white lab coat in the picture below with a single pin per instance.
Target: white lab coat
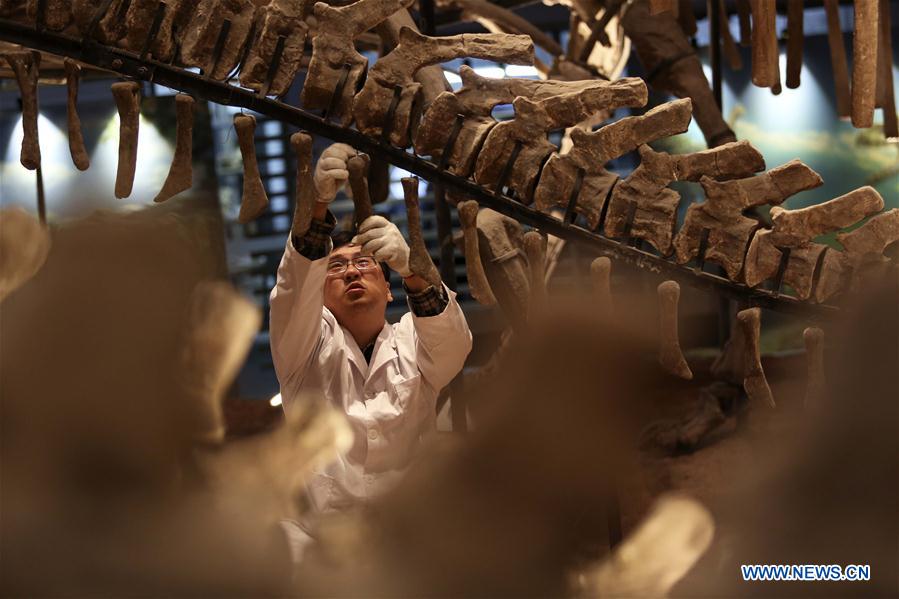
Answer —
(390, 403)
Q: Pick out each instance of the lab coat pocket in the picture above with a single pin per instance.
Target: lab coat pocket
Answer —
(405, 392)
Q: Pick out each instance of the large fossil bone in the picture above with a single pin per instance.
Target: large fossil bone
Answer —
(641, 206)
(795, 37)
(280, 22)
(591, 151)
(111, 26)
(656, 555)
(472, 104)
(838, 58)
(477, 279)
(500, 242)
(885, 95)
(765, 66)
(394, 74)
(814, 355)
(794, 232)
(57, 13)
(24, 246)
(127, 100)
(420, 262)
(139, 22)
(73, 123)
(334, 55)
(670, 355)
(254, 200)
(673, 66)
(600, 273)
(220, 331)
(535, 249)
(357, 167)
(202, 37)
(864, 62)
(754, 382)
(721, 215)
(522, 140)
(864, 246)
(304, 203)
(181, 171)
(26, 66)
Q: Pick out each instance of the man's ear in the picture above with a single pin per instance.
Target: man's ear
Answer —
(389, 295)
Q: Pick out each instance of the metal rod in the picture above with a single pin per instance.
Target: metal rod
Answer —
(154, 29)
(129, 65)
(273, 67)
(570, 210)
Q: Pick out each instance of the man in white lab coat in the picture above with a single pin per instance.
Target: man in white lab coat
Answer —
(329, 338)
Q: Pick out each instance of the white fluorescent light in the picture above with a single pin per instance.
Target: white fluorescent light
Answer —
(275, 401)
(491, 72)
(515, 70)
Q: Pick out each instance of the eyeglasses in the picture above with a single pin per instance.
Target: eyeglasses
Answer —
(362, 263)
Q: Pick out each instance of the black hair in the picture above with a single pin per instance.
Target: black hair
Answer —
(345, 238)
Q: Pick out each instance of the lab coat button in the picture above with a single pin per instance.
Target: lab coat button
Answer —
(372, 434)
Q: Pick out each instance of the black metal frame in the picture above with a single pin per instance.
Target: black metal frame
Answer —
(128, 64)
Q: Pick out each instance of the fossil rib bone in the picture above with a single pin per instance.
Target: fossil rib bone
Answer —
(420, 261)
(670, 355)
(181, 172)
(477, 279)
(26, 66)
(73, 123)
(754, 382)
(253, 201)
(127, 99)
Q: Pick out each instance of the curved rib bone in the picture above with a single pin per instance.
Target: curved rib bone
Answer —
(333, 49)
(670, 356)
(127, 99)
(181, 172)
(281, 18)
(535, 248)
(26, 66)
(203, 31)
(305, 198)
(420, 262)
(73, 123)
(477, 280)
(754, 382)
(729, 231)
(591, 151)
(398, 68)
(357, 166)
(796, 230)
(600, 271)
(533, 120)
(253, 201)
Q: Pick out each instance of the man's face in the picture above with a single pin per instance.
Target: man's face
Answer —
(354, 290)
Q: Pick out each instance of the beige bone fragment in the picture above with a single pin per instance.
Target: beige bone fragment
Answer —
(864, 248)
(127, 100)
(795, 37)
(600, 272)
(280, 18)
(656, 555)
(474, 102)
(181, 171)
(591, 151)
(644, 200)
(220, 330)
(729, 230)
(24, 246)
(420, 262)
(398, 68)
(533, 120)
(26, 66)
(502, 254)
(765, 66)
(139, 21)
(111, 27)
(76, 140)
(535, 249)
(57, 13)
(754, 382)
(202, 34)
(796, 230)
(670, 356)
(357, 167)
(304, 203)
(838, 58)
(254, 200)
(864, 62)
(814, 356)
(477, 279)
(333, 49)
(886, 98)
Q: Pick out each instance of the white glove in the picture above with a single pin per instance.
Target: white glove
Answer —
(381, 238)
(331, 173)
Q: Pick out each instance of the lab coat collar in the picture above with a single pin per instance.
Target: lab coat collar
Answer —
(384, 351)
